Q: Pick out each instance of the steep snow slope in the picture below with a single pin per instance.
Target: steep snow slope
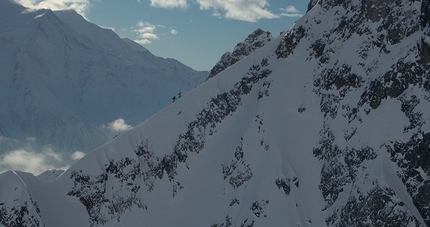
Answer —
(63, 78)
(324, 126)
(17, 206)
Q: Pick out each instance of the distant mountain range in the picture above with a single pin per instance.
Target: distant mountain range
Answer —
(63, 80)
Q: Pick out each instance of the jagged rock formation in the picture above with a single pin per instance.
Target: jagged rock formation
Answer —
(253, 42)
(380, 26)
(328, 122)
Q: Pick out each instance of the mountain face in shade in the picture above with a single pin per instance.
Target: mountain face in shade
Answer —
(253, 42)
(62, 79)
(327, 125)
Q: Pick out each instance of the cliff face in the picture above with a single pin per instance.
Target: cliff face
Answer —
(393, 30)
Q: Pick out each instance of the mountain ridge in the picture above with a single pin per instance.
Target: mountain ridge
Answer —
(257, 39)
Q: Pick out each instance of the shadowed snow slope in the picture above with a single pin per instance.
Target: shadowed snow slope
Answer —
(327, 125)
(62, 79)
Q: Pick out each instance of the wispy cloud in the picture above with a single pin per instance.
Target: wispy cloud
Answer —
(80, 6)
(169, 4)
(243, 10)
(146, 32)
(291, 11)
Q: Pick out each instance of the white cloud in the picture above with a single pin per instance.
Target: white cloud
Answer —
(31, 161)
(80, 6)
(145, 32)
(118, 125)
(244, 10)
(148, 36)
(173, 32)
(169, 4)
(144, 27)
(77, 155)
(291, 11)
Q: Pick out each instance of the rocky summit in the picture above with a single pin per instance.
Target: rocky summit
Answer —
(253, 42)
(326, 125)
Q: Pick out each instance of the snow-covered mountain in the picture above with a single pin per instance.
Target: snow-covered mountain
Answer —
(327, 125)
(257, 39)
(63, 78)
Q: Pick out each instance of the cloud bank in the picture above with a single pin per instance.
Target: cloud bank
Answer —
(37, 162)
(17, 156)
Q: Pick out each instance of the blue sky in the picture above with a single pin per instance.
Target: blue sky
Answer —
(195, 32)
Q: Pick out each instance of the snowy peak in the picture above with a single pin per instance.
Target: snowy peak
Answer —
(105, 39)
(254, 41)
(385, 22)
(68, 79)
